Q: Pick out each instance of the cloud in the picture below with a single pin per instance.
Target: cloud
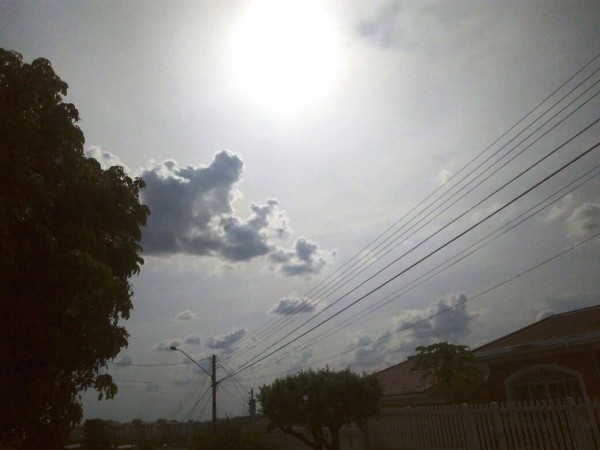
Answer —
(186, 315)
(452, 324)
(185, 203)
(372, 351)
(571, 302)
(191, 212)
(292, 305)
(545, 313)
(124, 360)
(225, 341)
(305, 259)
(105, 158)
(193, 340)
(559, 209)
(167, 344)
(584, 221)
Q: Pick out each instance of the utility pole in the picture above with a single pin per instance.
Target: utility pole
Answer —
(252, 405)
(214, 393)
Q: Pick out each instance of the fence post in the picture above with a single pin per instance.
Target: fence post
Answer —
(498, 426)
(576, 425)
(470, 427)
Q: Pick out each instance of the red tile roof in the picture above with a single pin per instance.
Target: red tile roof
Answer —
(560, 326)
(401, 379)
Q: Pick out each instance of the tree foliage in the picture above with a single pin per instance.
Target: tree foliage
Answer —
(315, 400)
(69, 242)
(456, 375)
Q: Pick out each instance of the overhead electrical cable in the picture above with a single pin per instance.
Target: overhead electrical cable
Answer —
(441, 229)
(253, 360)
(480, 165)
(450, 262)
(444, 310)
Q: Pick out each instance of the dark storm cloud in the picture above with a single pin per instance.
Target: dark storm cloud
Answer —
(305, 259)
(292, 305)
(225, 341)
(452, 322)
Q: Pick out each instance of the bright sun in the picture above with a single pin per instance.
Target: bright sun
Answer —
(285, 55)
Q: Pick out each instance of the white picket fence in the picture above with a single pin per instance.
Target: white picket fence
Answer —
(540, 425)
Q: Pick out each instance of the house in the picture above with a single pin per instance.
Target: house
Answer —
(556, 357)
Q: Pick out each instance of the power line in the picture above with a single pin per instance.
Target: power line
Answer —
(526, 215)
(444, 310)
(527, 191)
(276, 327)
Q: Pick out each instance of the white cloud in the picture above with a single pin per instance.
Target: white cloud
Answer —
(186, 315)
(225, 341)
(451, 320)
(167, 344)
(305, 259)
(584, 221)
(124, 360)
(105, 158)
(192, 213)
(292, 305)
(193, 340)
(545, 313)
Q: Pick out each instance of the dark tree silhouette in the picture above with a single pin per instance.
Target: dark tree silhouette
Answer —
(69, 242)
(317, 400)
(455, 372)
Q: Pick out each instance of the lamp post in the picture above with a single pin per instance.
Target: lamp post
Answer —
(213, 380)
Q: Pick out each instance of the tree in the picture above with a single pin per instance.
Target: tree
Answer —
(69, 242)
(456, 375)
(324, 398)
(97, 435)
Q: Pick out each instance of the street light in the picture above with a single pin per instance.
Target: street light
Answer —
(213, 378)
(172, 347)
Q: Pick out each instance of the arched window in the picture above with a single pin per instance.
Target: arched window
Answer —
(545, 381)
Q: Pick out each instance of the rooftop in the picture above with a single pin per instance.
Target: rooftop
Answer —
(580, 322)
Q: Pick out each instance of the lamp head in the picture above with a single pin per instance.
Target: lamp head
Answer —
(172, 347)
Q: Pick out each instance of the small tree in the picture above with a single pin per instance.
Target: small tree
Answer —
(315, 400)
(453, 368)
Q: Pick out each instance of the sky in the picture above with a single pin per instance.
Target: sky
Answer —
(334, 182)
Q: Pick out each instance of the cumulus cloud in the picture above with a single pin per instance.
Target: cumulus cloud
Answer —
(193, 340)
(584, 221)
(105, 158)
(371, 351)
(186, 315)
(306, 258)
(452, 322)
(225, 341)
(292, 305)
(167, 344)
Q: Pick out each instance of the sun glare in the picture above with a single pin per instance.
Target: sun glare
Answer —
(285, 55)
